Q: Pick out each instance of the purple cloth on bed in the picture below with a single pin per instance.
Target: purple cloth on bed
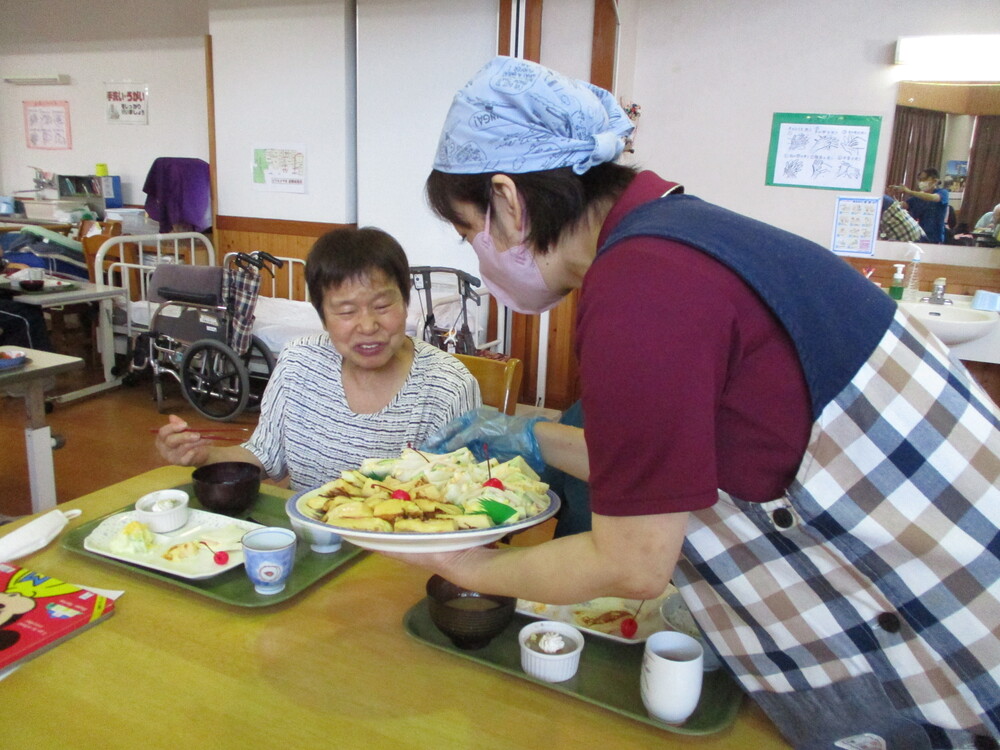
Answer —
(179, 191)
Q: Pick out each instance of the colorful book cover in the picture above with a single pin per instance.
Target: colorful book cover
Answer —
(38, 611)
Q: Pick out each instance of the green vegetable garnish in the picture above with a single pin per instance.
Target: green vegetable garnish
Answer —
(497, 511)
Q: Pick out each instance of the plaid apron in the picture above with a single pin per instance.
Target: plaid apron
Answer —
(862, 609)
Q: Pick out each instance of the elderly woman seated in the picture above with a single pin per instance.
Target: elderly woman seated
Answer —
(364, 389)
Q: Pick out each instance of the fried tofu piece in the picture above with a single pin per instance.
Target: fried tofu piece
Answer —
(473, 521)
(349, 510)
(393, 509)
(424, 527)
(362, 524)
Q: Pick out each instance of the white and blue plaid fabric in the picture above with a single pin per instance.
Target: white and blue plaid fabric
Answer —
(884, 556)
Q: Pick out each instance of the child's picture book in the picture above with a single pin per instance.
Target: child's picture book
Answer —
(38, 612)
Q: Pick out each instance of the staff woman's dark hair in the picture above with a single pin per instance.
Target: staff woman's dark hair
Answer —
(555, 199)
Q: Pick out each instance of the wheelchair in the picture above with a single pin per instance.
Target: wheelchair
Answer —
(201, 335)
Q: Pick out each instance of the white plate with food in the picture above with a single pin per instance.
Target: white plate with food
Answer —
(604, 617)
(417, 541)
(422, 502)
(207, 545)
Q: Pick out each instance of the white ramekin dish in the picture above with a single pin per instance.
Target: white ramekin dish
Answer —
(163, 511)
(550, 667)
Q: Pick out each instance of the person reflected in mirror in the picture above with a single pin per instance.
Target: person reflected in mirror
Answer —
(364, 389)
(896, 224)
(928, 204)
(989, 222)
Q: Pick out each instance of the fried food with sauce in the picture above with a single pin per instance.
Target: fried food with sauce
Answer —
(430, 493)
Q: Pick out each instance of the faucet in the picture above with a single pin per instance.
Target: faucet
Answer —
(937, 294)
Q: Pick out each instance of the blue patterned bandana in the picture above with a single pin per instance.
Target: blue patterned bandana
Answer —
(516, 116)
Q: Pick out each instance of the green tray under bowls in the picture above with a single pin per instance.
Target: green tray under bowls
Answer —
(608, 675)
(233, 586)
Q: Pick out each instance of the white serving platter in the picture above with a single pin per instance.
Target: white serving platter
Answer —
(403, 541)
(221, 532)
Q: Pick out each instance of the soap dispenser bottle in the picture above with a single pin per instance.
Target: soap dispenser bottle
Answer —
(913, 277)
(896, 288)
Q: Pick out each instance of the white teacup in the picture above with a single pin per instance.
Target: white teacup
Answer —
(671, 676)
(319, 540)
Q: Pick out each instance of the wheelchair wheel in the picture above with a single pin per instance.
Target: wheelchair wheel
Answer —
(214, 380)
(259, 363)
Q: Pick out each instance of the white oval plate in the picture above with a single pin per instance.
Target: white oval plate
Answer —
(200, 525)
(649, 620)
(413, 541)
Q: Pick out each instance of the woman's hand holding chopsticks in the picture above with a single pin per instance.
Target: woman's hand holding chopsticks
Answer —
(180, 444)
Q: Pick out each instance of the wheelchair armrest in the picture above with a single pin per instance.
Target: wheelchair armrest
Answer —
(179, 295)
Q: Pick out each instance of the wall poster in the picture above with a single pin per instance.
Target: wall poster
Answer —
(127, 103)
(823, 152)
(46, 125)
(855, 226)
(280, 169)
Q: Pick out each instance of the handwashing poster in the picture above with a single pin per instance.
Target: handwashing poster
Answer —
(127, 103)
(280, 169)
(824, 152)
(46, 125)
(855, 227)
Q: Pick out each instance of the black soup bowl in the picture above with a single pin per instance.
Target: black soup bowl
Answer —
(228, 487)
(469, 619)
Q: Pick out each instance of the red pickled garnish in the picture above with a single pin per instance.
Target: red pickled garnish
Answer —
(629, 627)
(492, 481)
(220, 558)
(400, 495)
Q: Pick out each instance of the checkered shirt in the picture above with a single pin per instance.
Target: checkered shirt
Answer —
(897, 224)
(882, 559)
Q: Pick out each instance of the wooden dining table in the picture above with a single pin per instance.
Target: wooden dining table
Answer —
(332, 666)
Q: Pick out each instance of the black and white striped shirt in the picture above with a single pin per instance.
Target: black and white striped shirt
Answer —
(308, 431)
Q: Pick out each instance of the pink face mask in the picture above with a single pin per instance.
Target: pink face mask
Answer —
(513, 276)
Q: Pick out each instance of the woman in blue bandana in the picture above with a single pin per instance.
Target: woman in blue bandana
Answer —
(763, 426)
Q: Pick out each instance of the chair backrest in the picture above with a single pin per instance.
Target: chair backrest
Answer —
(499, 380)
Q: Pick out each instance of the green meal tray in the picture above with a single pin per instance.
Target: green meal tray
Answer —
(233, 586)
(608, 675)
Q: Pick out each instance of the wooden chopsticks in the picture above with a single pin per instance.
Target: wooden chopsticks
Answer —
(212, 433)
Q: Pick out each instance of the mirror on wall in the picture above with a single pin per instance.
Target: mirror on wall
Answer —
(939, 118)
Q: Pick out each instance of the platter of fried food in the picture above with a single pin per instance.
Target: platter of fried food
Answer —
(207, 545)
(426, 502)
(605, 615)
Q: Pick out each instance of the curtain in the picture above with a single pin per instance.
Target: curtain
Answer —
(982, 188)
(917, 143)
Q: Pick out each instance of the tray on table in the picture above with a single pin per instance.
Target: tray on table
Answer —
(232, 586)
(608, 675)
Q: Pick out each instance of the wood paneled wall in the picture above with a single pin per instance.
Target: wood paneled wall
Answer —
(288, 239)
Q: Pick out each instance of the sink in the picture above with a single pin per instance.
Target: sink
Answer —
(953, 324)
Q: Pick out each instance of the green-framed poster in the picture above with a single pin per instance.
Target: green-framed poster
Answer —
(823, 152)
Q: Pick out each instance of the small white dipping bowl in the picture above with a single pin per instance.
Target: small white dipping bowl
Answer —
(163, 510)
(676, 616)
(550, 667)
(319, 540)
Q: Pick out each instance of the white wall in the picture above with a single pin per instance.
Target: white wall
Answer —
(413, 55)
(173, 68)
(710, 75)
(283, 76)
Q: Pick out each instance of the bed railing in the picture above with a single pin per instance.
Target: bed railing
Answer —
(288, 282)
(128, 261)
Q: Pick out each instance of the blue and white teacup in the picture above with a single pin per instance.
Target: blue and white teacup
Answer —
(269, 556)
